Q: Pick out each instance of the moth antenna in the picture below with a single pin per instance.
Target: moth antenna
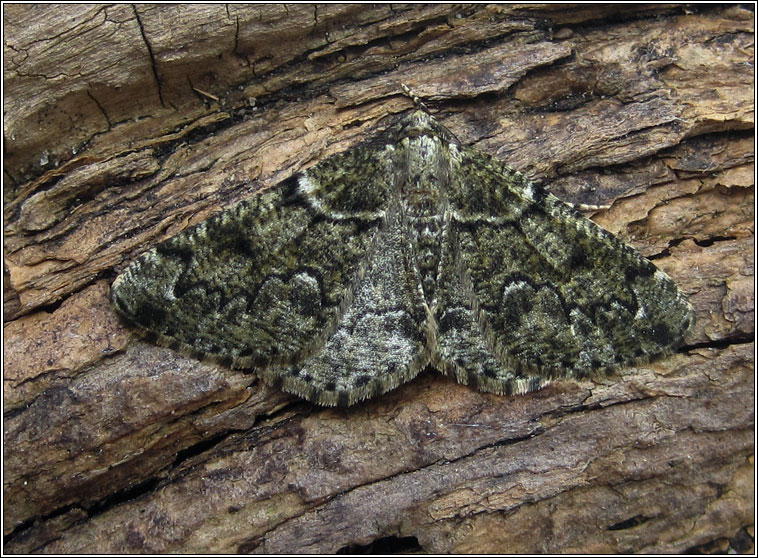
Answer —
(414, 97)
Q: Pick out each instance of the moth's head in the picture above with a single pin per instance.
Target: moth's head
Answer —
(421, 123)
(421, 118)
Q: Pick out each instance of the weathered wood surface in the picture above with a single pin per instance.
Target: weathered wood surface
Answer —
(124, 124)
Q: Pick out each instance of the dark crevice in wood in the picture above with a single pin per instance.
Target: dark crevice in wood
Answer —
(153, 61)
(201, 447)
(130, 493)
(720, 344)
(628, 523)
(385, 545)
(712, 240)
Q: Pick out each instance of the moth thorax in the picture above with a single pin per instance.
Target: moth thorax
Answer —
(424, 200)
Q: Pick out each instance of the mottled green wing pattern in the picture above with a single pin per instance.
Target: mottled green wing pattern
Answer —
(345, 280)
(381, 340)
(552, 294)
(267, 280)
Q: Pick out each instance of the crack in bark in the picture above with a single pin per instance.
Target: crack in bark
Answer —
(153, 62)
(719, 344)
(102, 109)
(235, 48)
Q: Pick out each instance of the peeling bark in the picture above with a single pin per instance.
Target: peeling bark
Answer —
(115, 141)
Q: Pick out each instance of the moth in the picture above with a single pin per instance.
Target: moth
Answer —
(410, 249)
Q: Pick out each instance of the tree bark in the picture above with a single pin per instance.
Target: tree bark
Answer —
(125, 124)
